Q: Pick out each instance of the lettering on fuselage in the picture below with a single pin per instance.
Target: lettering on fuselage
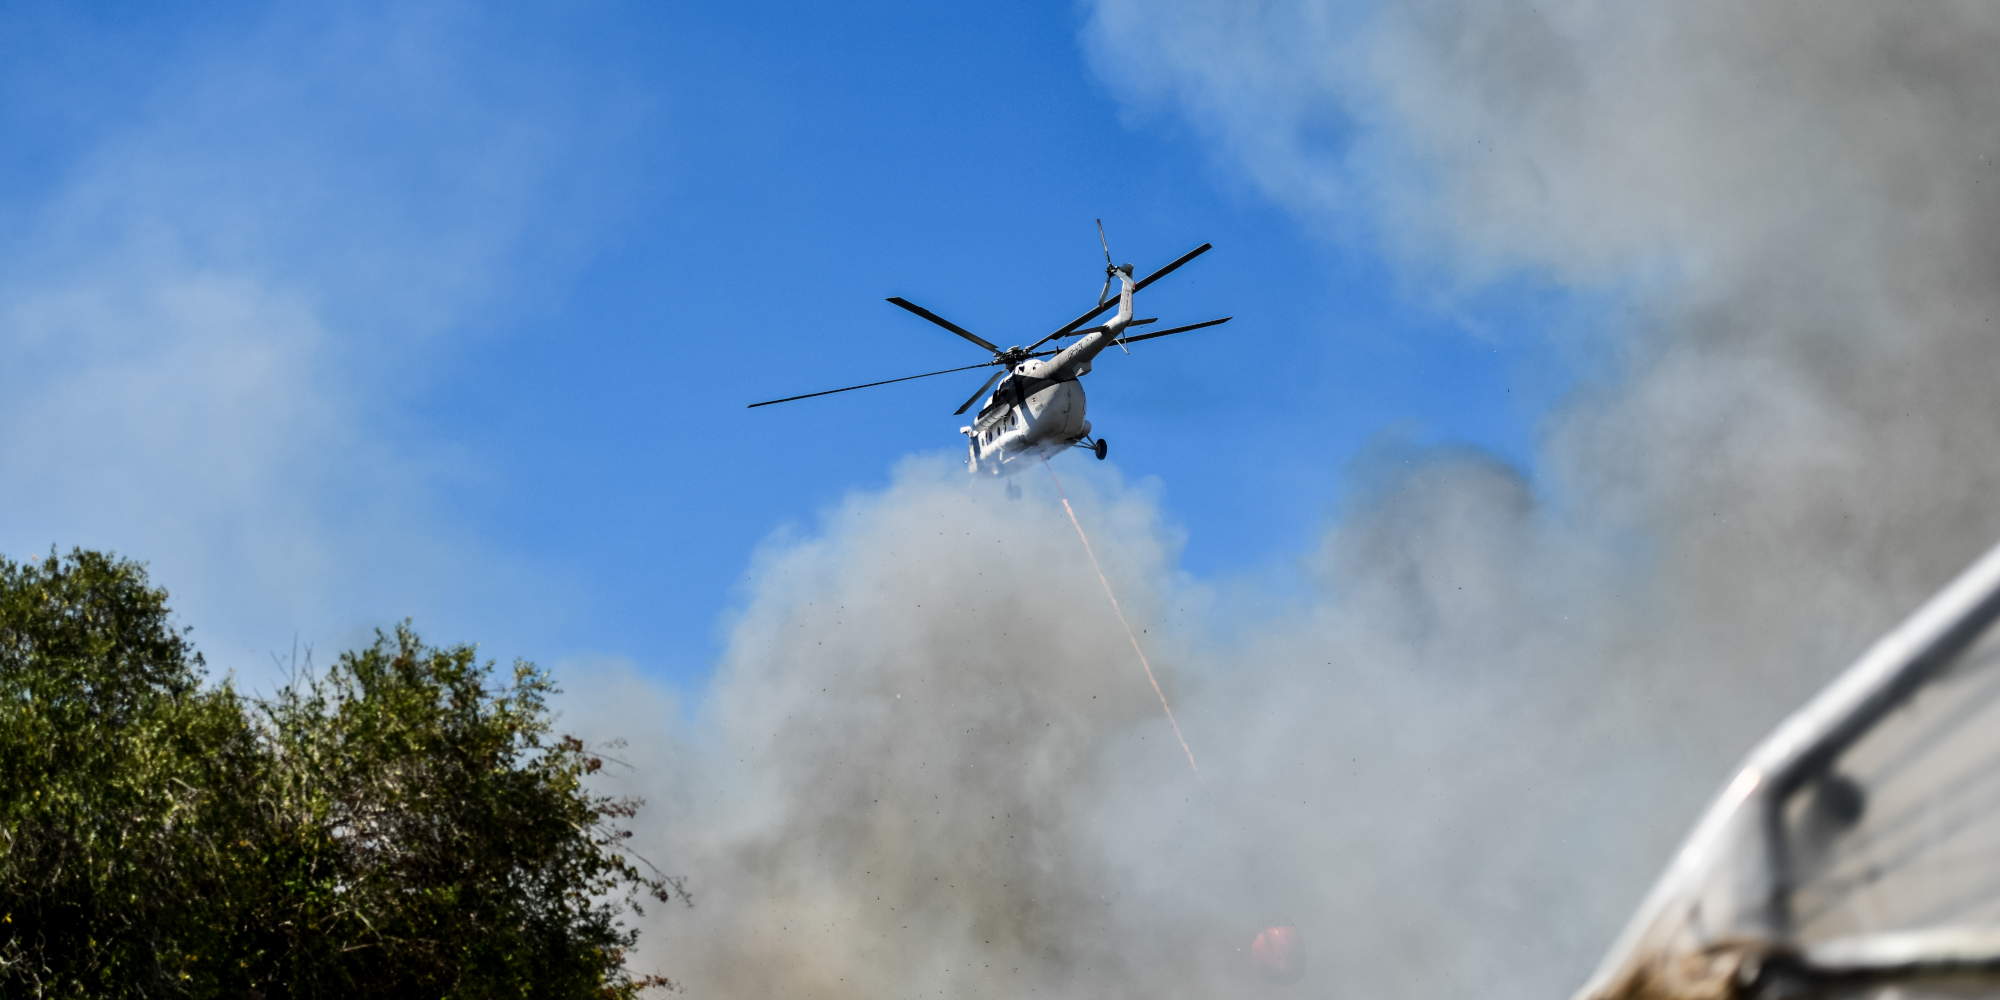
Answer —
(1026, 411)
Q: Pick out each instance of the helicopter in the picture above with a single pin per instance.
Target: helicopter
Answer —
(1036, 408)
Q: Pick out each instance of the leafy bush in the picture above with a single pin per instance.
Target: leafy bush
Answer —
(404, 824)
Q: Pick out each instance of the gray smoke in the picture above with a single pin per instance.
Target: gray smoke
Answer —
(929, 767)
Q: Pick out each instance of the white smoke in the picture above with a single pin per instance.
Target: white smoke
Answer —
(928, 766)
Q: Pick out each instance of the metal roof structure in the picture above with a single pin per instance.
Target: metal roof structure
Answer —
(1856, 854)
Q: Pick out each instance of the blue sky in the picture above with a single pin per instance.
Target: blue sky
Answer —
(341, 314)
(335, 318)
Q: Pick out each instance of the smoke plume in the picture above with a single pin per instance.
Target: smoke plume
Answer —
(928, 767)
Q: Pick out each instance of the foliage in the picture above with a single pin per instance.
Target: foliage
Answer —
(122, 782)
(430, 819)
(400, 825)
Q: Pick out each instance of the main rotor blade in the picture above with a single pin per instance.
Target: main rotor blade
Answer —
(1051, 353)
(1170, 268)
(947, 324)
(1071, 326)
(1178, 329)
(871, 385)
(981, 391)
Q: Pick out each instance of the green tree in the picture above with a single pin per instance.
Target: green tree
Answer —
(404, 824)
(439, 840)
(122, 782)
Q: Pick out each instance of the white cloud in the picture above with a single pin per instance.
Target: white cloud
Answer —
(217, 319)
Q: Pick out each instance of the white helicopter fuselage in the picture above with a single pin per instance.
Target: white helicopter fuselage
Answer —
(1038, 409)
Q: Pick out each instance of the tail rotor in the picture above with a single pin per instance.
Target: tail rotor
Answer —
(1110, 270)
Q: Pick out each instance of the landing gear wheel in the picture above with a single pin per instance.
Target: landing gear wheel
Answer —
(1102, 447)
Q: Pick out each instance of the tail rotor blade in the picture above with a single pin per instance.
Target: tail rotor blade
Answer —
(947, 324)
(981, 391)
(1103, 243)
